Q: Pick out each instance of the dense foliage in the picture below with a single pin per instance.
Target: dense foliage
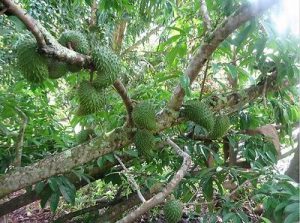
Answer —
(48, 106)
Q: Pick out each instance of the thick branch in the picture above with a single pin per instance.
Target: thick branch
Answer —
(61, 163)
(160, 197)
(119, 138)
(46, 42)
(119, 36)
(205, 15)
(126, 99)
(20, 138)
(29, 22)
(31, 196)
(212, 41)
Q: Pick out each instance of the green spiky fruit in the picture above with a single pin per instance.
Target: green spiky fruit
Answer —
(143, 116)
(221, 127)
(85, 135)
(144, 141)
(173, 211)
(57, 69)
(108, 66)
(90, 99)
(76, 39)
(32, 65)
(199, 113)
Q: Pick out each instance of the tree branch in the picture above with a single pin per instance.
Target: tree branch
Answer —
(118, 139)
(20, 138)
(131, 179)
(212, 41)
(120, 88)
(160, 197)
(29, 22)
(203, 81)
(205, 15)
(46, 42)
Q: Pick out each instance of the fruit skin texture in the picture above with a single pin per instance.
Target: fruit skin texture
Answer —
(32, 65)
(173, 211)
(199, 113)
(57, 69)
(90, 99)
(77, 40)
(85, 135)
(144, 141)
(221, 127)
(143, 116)
(108, 66)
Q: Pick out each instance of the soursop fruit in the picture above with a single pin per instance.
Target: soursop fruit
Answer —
(173, 211)
(57, 69)
(143, 116)
(91, 99)
(108, 66)
(76, 39)
(221, 127)
(145, 142)
(199, 113)
(31, 64)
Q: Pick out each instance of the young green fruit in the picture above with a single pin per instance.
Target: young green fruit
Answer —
(173, 211)
(143, 116)
(199, 113)
(221, 127)
(76, 40)
(108, 66)
(144, 141)
(31, 64)
(91, 99)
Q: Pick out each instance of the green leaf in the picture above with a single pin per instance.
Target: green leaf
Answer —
(228, 216)
(292, 208)
(207, 188)
(110, 157)
(242, 36)
(185, 84)
(68, 193)
(101, 161)
(169, 41)
(133, 153)
(39, 187)
(170, 57)
(54, 200)
(45, 197)
(265, 220)
(292, 218)
(53, 183)
(232, 70)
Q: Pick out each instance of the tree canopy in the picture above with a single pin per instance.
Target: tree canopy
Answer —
(110, 110)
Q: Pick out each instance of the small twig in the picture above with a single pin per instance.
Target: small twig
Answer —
(20, 138)
(120, 88)
(160, 197)
(204, 79)
(205, 15)
(131, 179)
(3, 11)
